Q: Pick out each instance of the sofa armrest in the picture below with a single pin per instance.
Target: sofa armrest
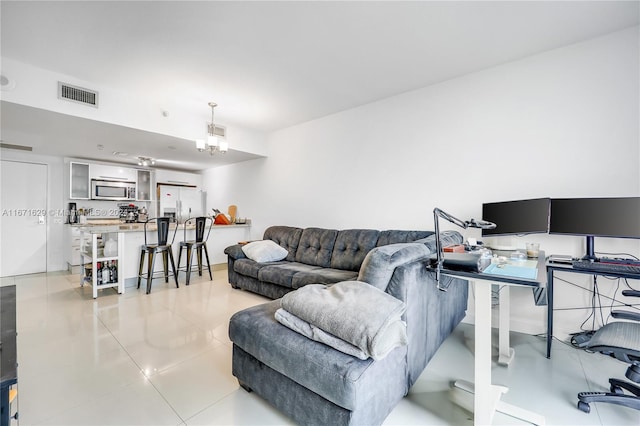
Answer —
(235, 252)
(380, 263)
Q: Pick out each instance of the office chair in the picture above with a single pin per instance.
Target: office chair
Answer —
(621, 340)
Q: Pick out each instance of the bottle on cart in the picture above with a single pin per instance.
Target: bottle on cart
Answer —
(98, 273)
(114, 272)
(105, 273)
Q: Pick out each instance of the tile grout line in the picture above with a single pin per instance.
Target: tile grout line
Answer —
(140, 369)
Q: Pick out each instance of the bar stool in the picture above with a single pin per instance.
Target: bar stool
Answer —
(162, 246)
(199, 243)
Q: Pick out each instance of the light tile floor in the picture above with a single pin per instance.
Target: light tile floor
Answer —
(165, 359)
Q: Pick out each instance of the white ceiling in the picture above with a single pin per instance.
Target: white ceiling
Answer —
(270, 65)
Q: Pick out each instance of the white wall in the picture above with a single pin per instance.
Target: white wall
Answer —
(560, 124)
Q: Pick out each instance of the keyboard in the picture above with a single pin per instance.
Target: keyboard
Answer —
(604, 267)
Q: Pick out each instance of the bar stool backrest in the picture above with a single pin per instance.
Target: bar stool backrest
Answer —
(201, 225)
(163, 230)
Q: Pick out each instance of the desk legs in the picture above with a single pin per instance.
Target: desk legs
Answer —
(549, 310)
(505, 352)
(486, 397)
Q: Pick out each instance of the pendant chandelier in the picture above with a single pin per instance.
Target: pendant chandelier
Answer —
(213, 143)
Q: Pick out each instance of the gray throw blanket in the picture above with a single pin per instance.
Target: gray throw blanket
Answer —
(314, 333)
(353, 311)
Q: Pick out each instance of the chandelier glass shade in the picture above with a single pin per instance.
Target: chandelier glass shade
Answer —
(212, 144)
(146, 161)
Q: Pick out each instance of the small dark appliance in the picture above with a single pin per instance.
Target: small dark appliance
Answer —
(128, 212)
(73, 213)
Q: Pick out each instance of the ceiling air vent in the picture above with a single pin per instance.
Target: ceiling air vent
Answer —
(77, 94)
(220, 131)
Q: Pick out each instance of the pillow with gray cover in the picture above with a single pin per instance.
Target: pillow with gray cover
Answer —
(264, 251)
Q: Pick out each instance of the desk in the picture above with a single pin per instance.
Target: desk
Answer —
(8, 353)
(486, 398)
(560, 267)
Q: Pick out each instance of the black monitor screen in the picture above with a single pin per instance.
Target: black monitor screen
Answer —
(599, 217)
(517, 217)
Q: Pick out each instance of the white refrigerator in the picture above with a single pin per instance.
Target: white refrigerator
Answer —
(181, 202)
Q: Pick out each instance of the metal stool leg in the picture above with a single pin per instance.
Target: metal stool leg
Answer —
(179, 256)
(151, 264)
(142, 252)
(165, 265)
(206, 253)
(189, 260)
(173, 267)
(199, 254)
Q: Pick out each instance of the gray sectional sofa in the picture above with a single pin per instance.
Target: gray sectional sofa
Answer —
(315, 384)
(315, 256)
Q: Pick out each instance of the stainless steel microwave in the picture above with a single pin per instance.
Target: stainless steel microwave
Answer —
(112, 190)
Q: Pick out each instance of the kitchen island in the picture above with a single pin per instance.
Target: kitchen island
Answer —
(130, 236)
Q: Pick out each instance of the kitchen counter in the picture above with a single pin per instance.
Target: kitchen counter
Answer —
(105, 226)
(132, 236)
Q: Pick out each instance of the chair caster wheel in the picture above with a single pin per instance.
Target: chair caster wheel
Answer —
(583, 406)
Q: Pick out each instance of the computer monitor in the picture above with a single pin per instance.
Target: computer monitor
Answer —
(595, 217)
(518, 217)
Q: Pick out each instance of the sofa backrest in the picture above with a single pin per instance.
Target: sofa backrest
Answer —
(398, 236)
(431, 314)
(330, 248)
(351, 247)
(447, 238)
(316, 246)
(380, 263)
(287, 237)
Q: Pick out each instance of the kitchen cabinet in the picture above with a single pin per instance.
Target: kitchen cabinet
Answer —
(144, 191)
(173, 177)
(79, 188)
(73, 254)
(105, 266)
(108, 172)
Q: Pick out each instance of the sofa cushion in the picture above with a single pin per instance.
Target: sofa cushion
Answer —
(351, 246)
(282, 274)
(265, 251)
(250, 267)
(322, 276)
(380, 263)
(340, 378)
(395, 236)
(316, 246)
(287, 237)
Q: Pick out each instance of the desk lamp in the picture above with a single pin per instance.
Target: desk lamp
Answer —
(472, 223)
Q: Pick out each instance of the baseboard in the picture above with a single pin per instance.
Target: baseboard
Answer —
(133, 281)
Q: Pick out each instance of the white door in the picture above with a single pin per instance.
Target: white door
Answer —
(23, 216)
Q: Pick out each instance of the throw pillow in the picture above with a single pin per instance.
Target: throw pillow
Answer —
(264, 251)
